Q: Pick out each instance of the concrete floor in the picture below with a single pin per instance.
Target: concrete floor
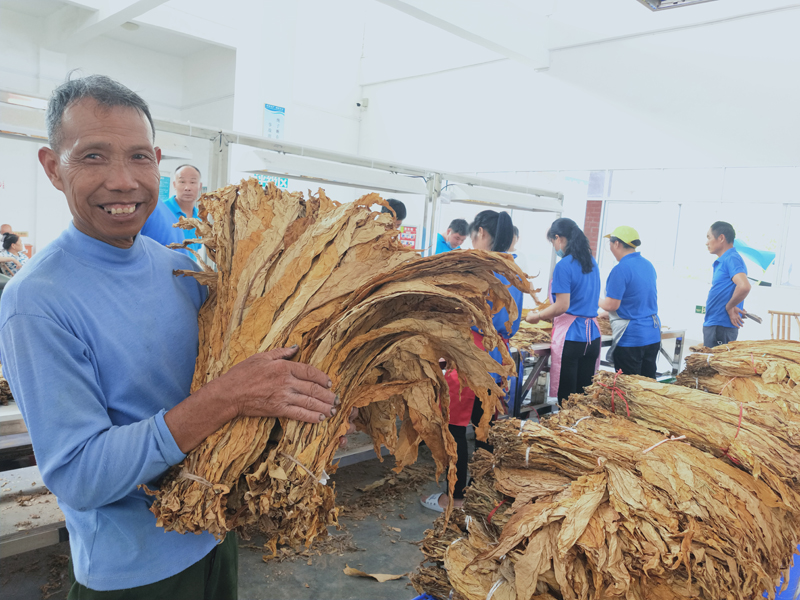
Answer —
(368, 518)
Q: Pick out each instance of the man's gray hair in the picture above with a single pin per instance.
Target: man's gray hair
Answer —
(104, 90)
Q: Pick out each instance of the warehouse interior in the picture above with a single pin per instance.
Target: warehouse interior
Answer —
(661, 115)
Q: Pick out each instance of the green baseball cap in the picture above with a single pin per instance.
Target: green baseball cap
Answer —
(627, 234)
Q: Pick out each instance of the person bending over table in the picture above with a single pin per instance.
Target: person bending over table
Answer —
(575, 292)
(632, 304)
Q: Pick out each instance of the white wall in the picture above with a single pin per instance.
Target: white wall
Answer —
(702, 117)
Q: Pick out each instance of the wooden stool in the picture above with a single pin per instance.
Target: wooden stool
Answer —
(784, 324)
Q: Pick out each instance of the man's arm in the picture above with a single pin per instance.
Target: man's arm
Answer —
(85, 459)
(609, 304)
(264, 385)
(739, 294)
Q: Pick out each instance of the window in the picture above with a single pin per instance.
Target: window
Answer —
(790, 273)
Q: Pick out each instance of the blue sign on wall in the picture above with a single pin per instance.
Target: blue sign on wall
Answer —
(163, 189)
(281, 182)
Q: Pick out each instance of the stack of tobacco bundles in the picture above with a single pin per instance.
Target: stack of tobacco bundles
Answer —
(753, 370)
(372, 314)
(592, 504)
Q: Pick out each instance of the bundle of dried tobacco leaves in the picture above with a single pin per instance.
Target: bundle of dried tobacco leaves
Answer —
(752, 371)
(334, 279)
(601, 507)
(528, 335)
(761, 437)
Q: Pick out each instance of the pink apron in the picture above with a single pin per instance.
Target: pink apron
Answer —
(561, 325)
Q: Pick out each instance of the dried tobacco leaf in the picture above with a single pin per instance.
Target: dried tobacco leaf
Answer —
(762, 437)
(363, 308)
(528, 335)
(5, 390)
(602, 506)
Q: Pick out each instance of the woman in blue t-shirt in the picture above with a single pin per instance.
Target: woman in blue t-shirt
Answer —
(632, 303)
(575, 292)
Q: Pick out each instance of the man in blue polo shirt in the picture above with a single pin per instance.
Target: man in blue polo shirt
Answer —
(729, 288)
(632, 303)
(188, 185)
(453, 238)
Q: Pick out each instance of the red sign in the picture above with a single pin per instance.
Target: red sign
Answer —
(408, 236)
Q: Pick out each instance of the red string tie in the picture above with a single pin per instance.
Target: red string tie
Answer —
(615, 390)
(494, 510)
(725, 450)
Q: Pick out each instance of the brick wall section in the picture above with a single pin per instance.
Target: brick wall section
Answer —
(591, 226)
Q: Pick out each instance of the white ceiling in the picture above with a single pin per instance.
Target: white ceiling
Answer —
(35, 8)
(147, 36)
(160, 40)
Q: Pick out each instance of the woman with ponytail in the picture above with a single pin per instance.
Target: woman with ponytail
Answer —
(575, 294)
(491, 231)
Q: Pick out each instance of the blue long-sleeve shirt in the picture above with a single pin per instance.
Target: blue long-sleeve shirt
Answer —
(501, 320)
(97, 343)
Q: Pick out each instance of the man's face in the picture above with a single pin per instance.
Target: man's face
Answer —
(4, 229)
(714, 244)
(107, 167)
(453, 238)
(187, 185)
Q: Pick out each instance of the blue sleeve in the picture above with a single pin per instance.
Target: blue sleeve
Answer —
(616, 283)
(736, 265)
(85, 460)
(159, 226)
(562, 281)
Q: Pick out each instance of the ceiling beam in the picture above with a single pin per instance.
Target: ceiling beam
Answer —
(499, 26)
(71, 27)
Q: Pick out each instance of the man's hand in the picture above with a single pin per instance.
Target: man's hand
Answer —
(264, 385)
(351, 429)
(268, 385)
(735, 313)
(533, 317)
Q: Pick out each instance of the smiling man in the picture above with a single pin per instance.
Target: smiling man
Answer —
(99, 340)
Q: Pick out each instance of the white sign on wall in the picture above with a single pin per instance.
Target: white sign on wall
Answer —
(274, 117)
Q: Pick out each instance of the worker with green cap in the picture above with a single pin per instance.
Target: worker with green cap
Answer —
(632, 304)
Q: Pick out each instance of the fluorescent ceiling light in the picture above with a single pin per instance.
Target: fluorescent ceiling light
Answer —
(665, 4)
(21, 100)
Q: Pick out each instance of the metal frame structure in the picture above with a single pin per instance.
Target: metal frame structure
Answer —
(307, 163)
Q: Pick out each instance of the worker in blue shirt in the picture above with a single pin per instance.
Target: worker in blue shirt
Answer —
(188, 186)
(99, 342)
(729, 288)
(159, 227)
(453, 238)
(632, 303)
(574, 292)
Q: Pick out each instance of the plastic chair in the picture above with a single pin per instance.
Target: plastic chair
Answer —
(784, 331)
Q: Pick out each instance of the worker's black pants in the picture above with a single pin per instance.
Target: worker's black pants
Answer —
(637, 360)
(214, 577)
(459, 433)
(578, 361)
(717, 335)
